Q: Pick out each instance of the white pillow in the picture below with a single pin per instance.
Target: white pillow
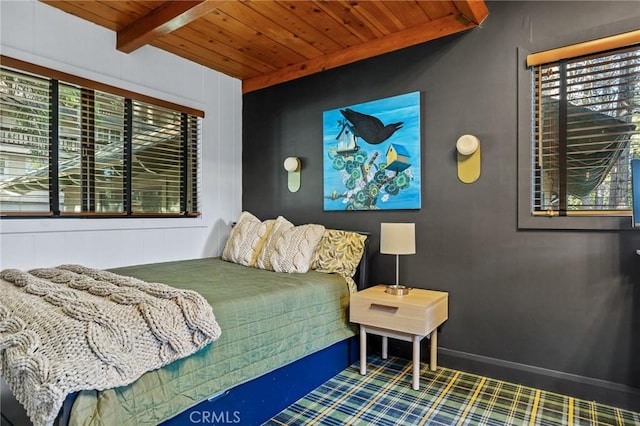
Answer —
(269, 246)
(290, 248)
(246, 239)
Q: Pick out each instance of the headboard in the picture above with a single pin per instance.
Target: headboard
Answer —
(362, 278)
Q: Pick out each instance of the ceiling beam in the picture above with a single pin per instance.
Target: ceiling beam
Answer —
(474, 10)
(163, 20)
(426, 32)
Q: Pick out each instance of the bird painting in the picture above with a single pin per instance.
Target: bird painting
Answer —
(369, 128)
(372, 157)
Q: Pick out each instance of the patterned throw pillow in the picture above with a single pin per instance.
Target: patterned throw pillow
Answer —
(339, 252)
(290, 248)
(246, 239)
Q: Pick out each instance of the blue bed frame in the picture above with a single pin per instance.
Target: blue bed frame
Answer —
(256, 401)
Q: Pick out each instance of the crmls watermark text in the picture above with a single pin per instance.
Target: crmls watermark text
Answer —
(215, 417)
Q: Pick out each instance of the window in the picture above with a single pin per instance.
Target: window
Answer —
(585, 115)
(73, 147)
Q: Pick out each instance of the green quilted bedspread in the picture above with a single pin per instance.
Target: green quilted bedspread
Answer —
(268, 319)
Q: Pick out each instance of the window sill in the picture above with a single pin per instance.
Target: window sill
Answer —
(594, 223)
(19, 226)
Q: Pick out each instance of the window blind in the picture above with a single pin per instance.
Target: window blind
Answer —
(158, 163)
(70, 148)
(91, 151)
(110, 152)
(586, 115)
(24, 131)
(192, 181)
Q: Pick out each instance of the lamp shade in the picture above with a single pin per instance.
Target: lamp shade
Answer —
(467, 144)
(398, 238)
(292, 164)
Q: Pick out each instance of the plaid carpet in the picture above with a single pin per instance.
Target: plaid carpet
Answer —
(446, 397)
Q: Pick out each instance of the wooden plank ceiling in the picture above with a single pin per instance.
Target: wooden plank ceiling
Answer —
(266, 42)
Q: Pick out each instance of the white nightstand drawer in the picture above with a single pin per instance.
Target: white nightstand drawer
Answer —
(418, 312)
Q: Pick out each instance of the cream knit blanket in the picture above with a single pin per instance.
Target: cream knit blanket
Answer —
(72, 328)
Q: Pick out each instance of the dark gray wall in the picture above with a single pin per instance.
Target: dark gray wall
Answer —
(554, 303)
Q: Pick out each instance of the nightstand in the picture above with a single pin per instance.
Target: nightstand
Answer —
(411, 318)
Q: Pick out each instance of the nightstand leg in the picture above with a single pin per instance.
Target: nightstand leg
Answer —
(433, 361)
(385, 347)
(416, 362)
(363, 350)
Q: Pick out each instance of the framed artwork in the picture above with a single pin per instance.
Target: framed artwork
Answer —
(372, 155)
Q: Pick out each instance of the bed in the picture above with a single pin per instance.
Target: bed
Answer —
(282, 335)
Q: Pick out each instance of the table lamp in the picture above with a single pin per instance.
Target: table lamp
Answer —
(398, 239)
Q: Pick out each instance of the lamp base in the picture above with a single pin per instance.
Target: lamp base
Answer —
(397, 290)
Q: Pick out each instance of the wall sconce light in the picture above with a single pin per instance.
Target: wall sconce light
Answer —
(468, 147)
(293, 165)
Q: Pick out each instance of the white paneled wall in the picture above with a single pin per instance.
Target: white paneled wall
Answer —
(37, 33)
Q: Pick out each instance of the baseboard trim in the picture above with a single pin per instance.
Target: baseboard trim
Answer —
(588, 388)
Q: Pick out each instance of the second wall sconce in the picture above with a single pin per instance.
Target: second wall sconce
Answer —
(468, 147)
(293, 165)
